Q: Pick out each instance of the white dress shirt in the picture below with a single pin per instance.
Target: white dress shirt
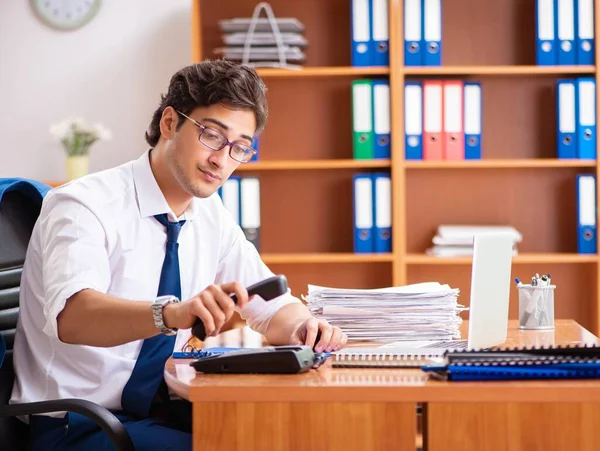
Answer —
(99, 232)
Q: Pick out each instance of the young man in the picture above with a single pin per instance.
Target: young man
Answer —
(114, 253)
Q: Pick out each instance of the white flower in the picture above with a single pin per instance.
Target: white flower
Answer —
(78, 123)
(60, 130)
(102, 132)
(77, 137)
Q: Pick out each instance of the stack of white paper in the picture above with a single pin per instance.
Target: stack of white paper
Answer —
(263, 44)
(424, 311)
(457, 240)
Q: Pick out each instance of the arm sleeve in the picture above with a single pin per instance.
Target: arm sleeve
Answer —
(73, 252)
(240, 261)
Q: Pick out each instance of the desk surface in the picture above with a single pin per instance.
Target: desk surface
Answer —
(388, 384)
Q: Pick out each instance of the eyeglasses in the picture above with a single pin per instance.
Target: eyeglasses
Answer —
(214, 140)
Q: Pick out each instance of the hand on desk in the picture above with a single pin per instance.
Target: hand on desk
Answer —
(331, 338)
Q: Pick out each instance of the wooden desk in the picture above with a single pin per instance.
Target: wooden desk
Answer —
(374, 409)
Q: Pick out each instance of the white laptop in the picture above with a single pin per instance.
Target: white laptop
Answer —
(490, 292)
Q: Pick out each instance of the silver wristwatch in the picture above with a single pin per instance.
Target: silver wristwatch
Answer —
(157, 312)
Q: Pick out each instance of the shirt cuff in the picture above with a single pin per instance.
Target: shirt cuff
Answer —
(53, 307)
(260, 322)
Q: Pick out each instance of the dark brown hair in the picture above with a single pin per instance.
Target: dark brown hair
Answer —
(208, 83)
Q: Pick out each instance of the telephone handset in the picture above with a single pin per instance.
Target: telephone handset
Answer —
(267, 289)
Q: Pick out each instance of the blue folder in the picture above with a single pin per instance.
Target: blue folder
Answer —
(364, 241)
(586, 214)
(546, 40)
(413, 33)
(496, 373)
(362, 40)
(586, 118)
(584, 33)
(560, 362)
(566, 117)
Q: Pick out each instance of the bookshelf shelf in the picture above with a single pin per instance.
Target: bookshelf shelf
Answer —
(326, 258)
(502, 164)
(323, 72)
(500, 70)
(313, 164)
(307, 205)
(525, 258)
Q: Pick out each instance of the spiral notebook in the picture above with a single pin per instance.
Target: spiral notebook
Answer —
(384, 356)
(560, 362)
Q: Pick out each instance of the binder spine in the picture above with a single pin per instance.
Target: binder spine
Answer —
(363, 213)
(585, 32)
(433, 113)
(250, 209)
(362, 114)
(586, 214)
(546, 33)
(432, 32)
(567, 119)
(565, 17)
(413, 33)
(453, 120)
(381, 119)
(586, 118)
(361, 33)
(382, 202)
(473, 120)
(380, 33)
(413, 121)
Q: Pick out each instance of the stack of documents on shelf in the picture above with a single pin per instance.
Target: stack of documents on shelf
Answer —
(457, 240)
(424, 311)
(263, 49)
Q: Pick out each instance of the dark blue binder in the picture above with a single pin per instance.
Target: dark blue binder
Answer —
(566, 116)
(584, 33)
(432, 32)
(362, 41)
(546, 40)
(414, 42)
(560, 362)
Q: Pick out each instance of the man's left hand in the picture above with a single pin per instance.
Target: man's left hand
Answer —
(332, 338)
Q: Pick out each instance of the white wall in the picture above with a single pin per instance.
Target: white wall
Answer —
(112, 70)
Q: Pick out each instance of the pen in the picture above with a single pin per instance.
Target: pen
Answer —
(519, 283)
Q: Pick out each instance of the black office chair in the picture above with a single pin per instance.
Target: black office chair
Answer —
(18, 214)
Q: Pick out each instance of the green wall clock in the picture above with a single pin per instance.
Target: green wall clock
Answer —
(65, 14)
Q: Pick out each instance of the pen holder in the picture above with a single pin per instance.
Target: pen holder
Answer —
(536, 307)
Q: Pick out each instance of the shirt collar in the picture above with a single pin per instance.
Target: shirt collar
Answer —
(151, 200)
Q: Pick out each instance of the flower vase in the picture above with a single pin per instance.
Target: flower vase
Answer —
(77, 166)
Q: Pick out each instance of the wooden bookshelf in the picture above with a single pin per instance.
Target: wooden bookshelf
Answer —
(500, 70)
(423, 259)
(281, 165)
(323, 72)
(306, 162)
(326, 258)
(502, 164)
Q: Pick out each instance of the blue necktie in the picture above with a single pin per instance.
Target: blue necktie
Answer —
(147, 375)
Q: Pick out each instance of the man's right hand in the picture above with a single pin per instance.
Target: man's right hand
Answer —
(213, 306)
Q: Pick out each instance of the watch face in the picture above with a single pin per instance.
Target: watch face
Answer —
(65, 14)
